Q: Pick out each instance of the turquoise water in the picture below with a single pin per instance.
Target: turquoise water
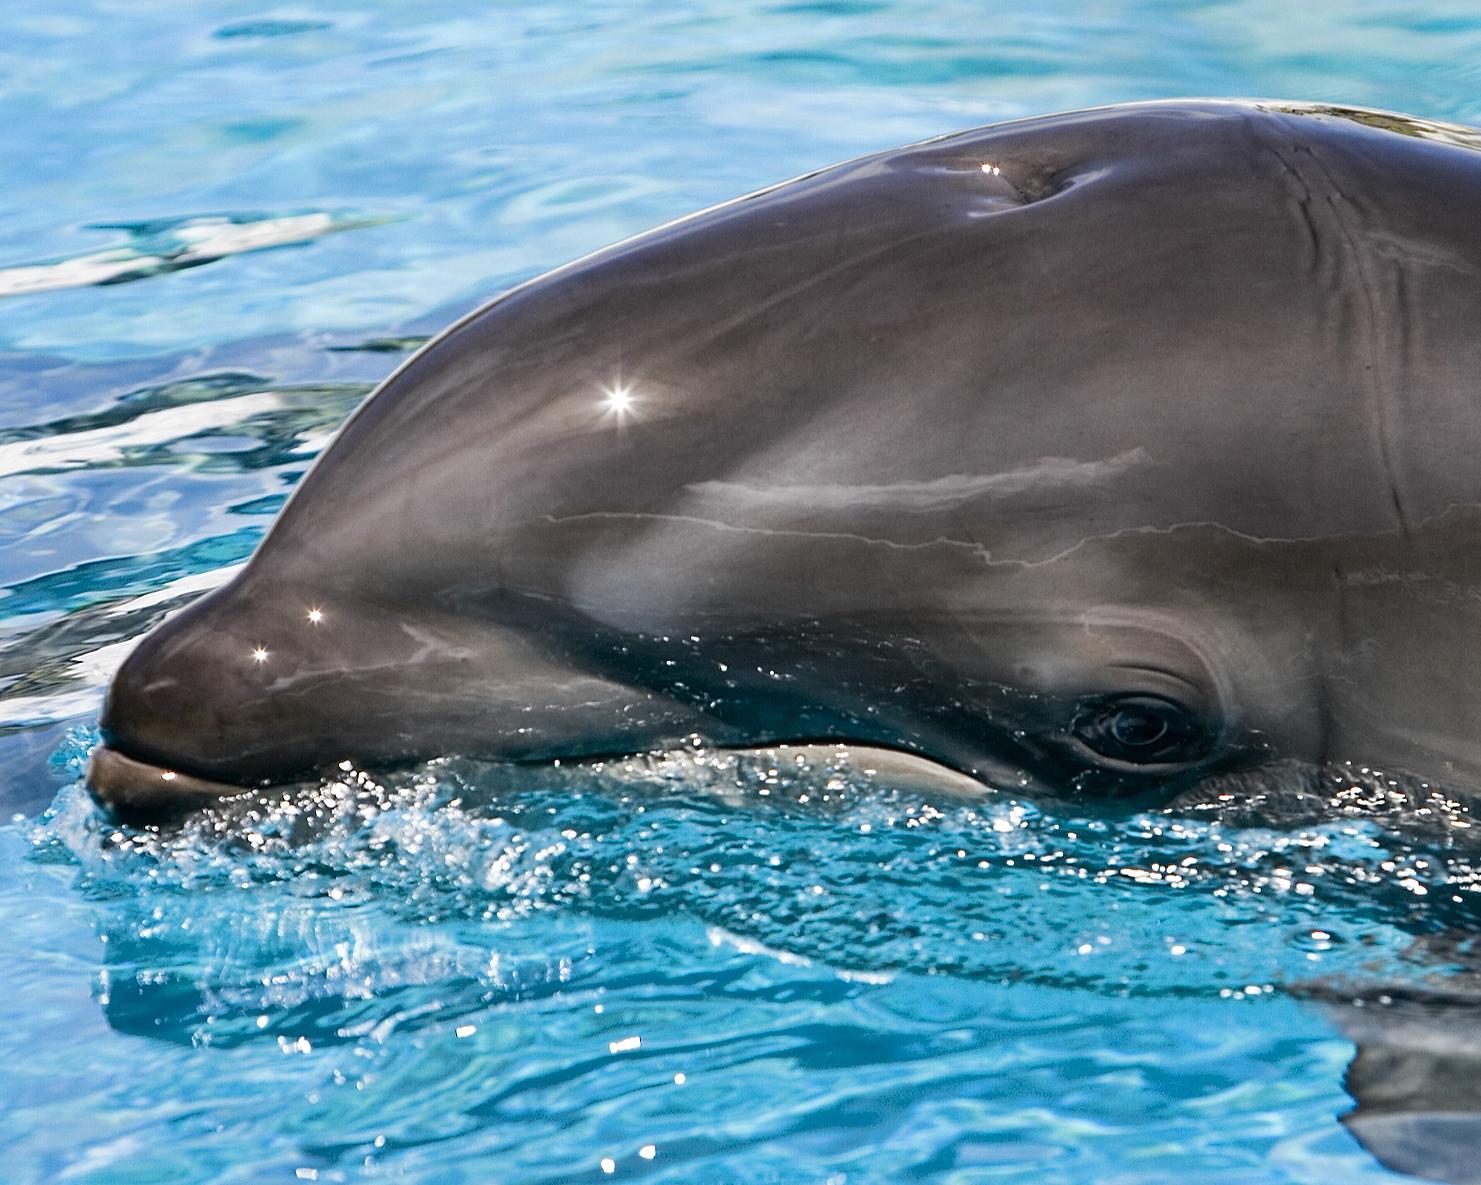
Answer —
(220, 225)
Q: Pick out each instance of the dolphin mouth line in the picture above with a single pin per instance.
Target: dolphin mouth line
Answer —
(141, 789)
(144, 791)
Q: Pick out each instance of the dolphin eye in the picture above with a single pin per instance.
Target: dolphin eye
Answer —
(1140, 730)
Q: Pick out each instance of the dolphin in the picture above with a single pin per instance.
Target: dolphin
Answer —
(1127, 454)
(1097, 454)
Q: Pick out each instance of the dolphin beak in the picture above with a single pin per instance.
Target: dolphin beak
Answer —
(174, 716)
(138, 792)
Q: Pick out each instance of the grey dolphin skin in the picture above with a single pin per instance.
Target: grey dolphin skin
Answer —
(1099, 453)
(1103, 454)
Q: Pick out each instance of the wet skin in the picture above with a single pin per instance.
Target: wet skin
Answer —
(1096, 454)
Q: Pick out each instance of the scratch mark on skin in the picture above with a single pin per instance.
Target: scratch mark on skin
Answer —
(780, 532)
(984, 553)
(973, 548)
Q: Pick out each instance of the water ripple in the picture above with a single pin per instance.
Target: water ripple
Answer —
(170, 245)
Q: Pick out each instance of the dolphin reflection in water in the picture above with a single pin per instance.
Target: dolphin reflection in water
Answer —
(1100, 455)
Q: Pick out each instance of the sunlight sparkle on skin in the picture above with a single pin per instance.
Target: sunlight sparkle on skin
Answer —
(259, 654)
(619, 399)
(990, 169)
(316, 615)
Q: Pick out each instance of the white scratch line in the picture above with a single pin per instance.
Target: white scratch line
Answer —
(940, 541)
(975, 548)
(941, 493)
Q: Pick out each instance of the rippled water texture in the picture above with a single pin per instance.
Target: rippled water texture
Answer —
(220, 225)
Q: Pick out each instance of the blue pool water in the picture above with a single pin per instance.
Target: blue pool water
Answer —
(220, 224)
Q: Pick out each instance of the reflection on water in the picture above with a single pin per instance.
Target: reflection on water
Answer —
(156, 248)
(175, 423)
(385, 345)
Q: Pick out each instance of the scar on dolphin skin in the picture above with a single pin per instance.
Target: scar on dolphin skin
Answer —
(1046, 474)
(1040, 453)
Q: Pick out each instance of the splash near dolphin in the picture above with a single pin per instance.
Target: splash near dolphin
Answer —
(1101, 454)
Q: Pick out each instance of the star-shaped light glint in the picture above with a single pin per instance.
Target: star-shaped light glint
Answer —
(619, 400)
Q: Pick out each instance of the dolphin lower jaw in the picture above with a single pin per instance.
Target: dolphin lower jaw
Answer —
(144, 792)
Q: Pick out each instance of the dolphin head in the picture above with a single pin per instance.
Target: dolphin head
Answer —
(1104, 454)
